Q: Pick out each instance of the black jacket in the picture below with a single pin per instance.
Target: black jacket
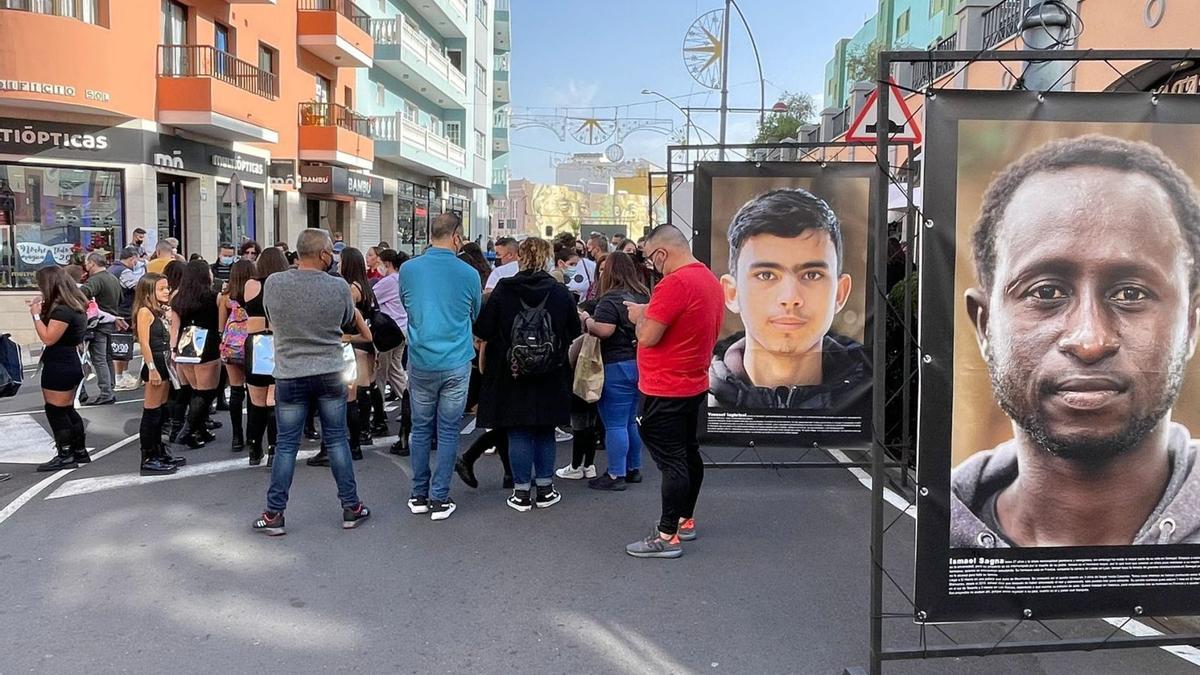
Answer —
(845, 388)
(545, 400)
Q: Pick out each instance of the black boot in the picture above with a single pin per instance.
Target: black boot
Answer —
(78, 438)
(320, 459)
(354, 430)
(363, 420)
(310, 425)
(256, 452)
(168, 458)
(153, 465)
(379, 425)
(64, 459)
(237, 397)
(466, 472)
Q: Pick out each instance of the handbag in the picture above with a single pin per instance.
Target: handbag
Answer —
(589, 370)
(260, 354)
(191, 343)
(349, 363)
(120, 346)
(233, 340)
(385, 332)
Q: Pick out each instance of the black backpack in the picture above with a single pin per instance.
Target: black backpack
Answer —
(534, 349)
(11, 369)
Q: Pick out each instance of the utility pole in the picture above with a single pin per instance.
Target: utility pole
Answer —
(724, 74)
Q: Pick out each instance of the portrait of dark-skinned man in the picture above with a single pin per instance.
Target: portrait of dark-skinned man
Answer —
(1085, 310)
(786, 283)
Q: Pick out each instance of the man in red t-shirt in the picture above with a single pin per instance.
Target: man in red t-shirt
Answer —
(676, 334)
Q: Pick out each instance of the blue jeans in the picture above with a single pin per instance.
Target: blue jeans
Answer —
(531, 450)
(438, 400)
(618, 410)
(293, 396)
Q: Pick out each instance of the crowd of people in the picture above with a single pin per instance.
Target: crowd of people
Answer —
(282, 340)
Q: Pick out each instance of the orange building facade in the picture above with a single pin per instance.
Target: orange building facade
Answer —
(118, 115)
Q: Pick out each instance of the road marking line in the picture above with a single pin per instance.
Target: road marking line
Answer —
(32, 492)
(1131, 626)
(84, 486)
(403, 466)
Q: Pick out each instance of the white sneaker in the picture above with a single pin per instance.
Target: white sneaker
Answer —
(569, 472)
(562, 435)
(126, 382)
(589, 471)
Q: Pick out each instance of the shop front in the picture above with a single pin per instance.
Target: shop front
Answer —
(67, 189)
(62, 193)
(344, 203)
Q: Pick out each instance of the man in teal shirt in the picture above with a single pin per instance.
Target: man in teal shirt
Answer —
(442, 297)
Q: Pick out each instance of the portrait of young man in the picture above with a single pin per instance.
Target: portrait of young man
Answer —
(1084, 308)
(786, 282)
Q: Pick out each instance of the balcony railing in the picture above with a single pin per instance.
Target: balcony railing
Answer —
(412, 135)
(501, 5)
(344, 7)
(500, 61)
(418, 45)
(1002, 21)
(925, 72)
(840, 122)
(87, 11)
(315, 114)
(208, 61)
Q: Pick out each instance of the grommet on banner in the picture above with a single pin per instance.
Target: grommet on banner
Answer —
(758, 165)
(921, 615)
(927, 359)
(1137, 611)
(930, 94)
(750, 444)
(1027, 613)
(928, 223)
(1154, 99)
(924, 491)
(1041, 97)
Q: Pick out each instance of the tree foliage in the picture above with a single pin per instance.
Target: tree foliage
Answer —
(862, 62)
(778, 126)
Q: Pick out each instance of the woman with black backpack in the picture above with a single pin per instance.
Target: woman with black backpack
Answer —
(526, 326)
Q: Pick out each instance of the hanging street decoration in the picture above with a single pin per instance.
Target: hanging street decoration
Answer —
(594, 129)
(702, 49)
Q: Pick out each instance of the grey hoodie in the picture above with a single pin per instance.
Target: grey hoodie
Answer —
(1175, 520)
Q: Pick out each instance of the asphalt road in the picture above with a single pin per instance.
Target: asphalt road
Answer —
(104, 571)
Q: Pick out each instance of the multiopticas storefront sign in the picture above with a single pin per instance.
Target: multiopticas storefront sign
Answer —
(38, 138)
(31, 135)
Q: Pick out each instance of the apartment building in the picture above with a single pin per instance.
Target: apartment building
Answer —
(429, 98)
(227, 120)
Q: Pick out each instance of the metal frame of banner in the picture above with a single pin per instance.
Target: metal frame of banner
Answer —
(817, 152)
(878, 653)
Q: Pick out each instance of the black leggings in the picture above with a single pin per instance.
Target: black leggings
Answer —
(669, 431)
(493, 438)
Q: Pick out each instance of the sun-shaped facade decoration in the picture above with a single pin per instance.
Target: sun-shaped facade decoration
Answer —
(703, 49)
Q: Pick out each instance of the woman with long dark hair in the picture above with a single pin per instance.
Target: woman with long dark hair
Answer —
(60, 319)
(195, 305)
(176, 406)
(260, 410)
(359, 395)
(620, 282)
(232, 317)
(473, 256)
(150, 298)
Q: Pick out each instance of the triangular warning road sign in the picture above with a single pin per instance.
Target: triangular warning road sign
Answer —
(903, 127)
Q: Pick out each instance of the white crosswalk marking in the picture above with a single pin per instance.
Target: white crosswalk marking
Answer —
(23, 440)
(85, 486)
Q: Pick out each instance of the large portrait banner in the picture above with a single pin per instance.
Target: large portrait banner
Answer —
(1060, 299)
(789, 242)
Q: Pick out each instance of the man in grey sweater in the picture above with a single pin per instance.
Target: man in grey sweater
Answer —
(306, 310)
